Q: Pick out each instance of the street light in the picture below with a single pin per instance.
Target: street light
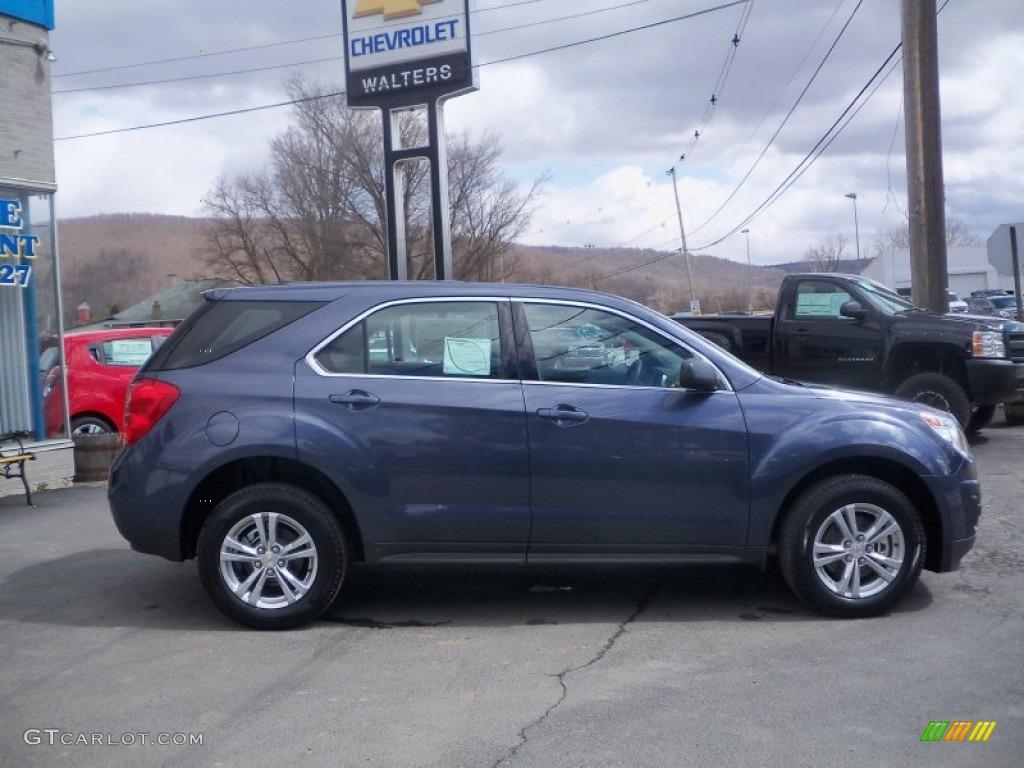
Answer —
(750, 274)
(856, 226)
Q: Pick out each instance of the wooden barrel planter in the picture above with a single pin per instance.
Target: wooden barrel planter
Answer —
(93, 454)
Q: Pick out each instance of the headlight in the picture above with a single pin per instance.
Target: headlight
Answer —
(988, 344)
(949, 430)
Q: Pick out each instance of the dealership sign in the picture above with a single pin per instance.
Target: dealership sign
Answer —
(15, 247)
(403, 52)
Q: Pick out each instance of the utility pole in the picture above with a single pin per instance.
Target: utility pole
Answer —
(856, 226)
(682, 237)
(750, 275)
(925, 189)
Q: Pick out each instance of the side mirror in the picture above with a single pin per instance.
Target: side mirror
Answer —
(699, 375)
(853, 309)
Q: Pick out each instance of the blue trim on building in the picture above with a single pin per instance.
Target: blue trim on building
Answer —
(35, 11)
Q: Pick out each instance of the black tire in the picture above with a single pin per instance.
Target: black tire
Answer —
(1014, 414)
(817, 519)
(91, 425)
(313, 572)
(939, 391)
(980, 418)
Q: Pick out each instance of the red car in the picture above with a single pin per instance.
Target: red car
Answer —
(101, 364)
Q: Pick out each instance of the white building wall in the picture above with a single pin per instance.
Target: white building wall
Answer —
(968, 269)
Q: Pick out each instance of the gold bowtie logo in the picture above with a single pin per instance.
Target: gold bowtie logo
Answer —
(391, 9)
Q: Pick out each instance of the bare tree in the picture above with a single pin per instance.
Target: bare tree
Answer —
(319, 211)
(897, 239)
(488, 212)
(826, 255)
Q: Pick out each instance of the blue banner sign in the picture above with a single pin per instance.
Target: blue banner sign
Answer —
(15, 247)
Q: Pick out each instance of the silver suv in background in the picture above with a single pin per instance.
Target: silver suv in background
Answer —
(998, 306)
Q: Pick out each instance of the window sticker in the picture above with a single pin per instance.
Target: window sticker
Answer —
(467, 357)
(129, 351)
(820, 304)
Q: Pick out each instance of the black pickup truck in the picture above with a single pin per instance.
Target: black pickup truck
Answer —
(845, 330)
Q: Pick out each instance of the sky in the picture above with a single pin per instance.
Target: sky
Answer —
(606, 115)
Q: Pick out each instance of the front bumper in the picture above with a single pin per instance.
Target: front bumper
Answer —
(993, 381)
(953, 552)
(958, 499)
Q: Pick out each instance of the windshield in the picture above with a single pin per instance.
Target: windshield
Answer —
(1004, 302)
(883, 299)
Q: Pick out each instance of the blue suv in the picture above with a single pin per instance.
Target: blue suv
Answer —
(284, 432)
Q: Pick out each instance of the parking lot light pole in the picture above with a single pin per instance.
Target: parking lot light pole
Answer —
(750, 275)
(856, 226)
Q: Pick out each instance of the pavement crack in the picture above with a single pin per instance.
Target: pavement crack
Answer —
(620, 630)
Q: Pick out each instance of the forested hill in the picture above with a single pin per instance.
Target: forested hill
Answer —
(114, 261)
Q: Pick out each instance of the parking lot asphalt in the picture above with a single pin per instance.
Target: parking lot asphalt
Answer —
(106, 652)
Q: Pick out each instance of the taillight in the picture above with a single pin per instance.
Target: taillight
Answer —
(148, 400)
(51, 381)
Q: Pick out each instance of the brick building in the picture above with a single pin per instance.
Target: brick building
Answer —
(29, 267)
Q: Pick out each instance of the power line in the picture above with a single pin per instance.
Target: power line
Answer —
(185, 78)
(774, 103)
(716, 93)
(248, 70)
(261, 47)
(197, 118)
(785, 120)
(789, 82)
(816, 151)
(827, 139)
(609, 36)
(587, 41)
(718, 89)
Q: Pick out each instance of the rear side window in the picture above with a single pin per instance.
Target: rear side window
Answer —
(222, 327)
(125, 352)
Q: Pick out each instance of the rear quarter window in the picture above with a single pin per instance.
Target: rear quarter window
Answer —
(222, 327)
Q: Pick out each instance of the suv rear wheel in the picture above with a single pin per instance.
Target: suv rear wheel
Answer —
(852, 546)
(272, 556)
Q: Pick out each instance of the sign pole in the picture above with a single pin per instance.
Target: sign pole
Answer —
(439, 202)
(403, 54)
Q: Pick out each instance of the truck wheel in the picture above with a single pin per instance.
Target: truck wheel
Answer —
(1014, 414)
(980, 418)
(272, 556)
(939, 391)
(852, 546)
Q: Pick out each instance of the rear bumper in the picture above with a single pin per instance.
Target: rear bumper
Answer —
(149, 522)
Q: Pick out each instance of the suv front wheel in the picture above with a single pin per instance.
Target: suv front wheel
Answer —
(852, 546)
(272, 556)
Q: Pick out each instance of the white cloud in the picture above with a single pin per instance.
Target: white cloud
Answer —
(606, 118)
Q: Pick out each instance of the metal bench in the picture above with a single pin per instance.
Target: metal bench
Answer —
(13, 457)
